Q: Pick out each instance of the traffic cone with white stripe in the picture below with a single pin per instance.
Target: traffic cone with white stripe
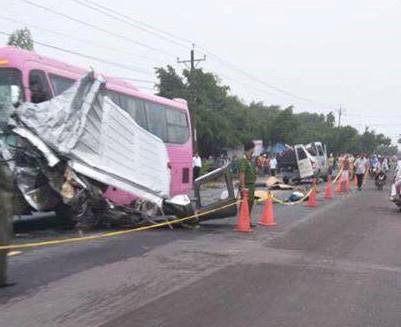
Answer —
(268, 215)
(244, 219)
(312, 202)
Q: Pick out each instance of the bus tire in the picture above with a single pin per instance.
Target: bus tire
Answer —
(65, 215)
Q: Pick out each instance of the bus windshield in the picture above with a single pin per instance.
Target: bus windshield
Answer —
(10, 92)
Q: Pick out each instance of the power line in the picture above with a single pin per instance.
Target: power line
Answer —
(105, 61)
(123, 37)
(107, 10)
(117, 16)
(85, 41)
(149, 26)
(221, 60)
(137, 80)
(256, 79)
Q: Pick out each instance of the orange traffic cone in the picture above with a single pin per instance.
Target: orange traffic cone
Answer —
(244, 220)
(329, 193)
(268, 215)
(312, 202)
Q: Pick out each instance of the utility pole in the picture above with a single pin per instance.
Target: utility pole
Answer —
(192, 61)
(340, 113)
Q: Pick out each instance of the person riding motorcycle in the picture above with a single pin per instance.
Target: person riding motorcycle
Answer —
(380, 179)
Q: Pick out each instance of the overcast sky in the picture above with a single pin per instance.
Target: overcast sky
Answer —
(332, 53)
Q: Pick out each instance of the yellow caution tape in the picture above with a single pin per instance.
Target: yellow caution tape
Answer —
(143, 228)
(338, 176)
(275, 199)
(13, 253)
(111, 234)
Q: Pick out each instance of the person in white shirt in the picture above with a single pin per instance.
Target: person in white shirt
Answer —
(361, 167)
(196, 165)
(273, 165)
(385, 166)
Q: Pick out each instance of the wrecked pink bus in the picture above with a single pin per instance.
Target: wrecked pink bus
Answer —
(29, 77)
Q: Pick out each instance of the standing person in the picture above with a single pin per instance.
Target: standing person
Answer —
(266, 164)
(234, 165)
(273, 165)
(196, 165)
(361, 167)
(247, 173)
(385, 165)
(6, 213)
(330, 164)
(345, 175)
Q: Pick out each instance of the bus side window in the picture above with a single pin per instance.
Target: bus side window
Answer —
(140, 114)
(39, 87)
(156, 114)
(135, 107)
(177, 126)
(60, 83)
(115, 97)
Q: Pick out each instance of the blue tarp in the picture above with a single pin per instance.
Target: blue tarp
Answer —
(277, 148)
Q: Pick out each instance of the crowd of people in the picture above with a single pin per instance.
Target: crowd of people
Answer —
(265, 164)
(360, 165)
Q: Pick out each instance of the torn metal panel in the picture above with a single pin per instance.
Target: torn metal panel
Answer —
(222, 177)
(99, 140)
(39, 144)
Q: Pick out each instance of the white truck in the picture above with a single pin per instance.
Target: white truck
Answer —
(318, 152)
(295, 164)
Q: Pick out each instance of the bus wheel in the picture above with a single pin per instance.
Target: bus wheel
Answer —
(65, 216)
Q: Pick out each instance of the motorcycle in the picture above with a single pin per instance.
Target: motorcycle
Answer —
(380, 181)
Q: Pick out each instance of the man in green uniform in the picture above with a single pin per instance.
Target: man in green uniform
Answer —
(247, 173)
(6, 213)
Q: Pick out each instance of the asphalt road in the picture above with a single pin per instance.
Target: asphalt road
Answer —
(335, 265)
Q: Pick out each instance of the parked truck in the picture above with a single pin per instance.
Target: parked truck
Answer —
(318, 151)
(295, 164)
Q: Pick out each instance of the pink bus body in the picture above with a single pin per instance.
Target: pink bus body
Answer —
(57, 76)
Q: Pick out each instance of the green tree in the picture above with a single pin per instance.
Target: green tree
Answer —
(21, 38)
(284, 127)
(171, 84)
(330, 120)
(224, 121)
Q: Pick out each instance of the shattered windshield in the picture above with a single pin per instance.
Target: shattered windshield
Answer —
(311, 149)
(10, 92)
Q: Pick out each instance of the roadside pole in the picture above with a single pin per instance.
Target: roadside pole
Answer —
(6, 213)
